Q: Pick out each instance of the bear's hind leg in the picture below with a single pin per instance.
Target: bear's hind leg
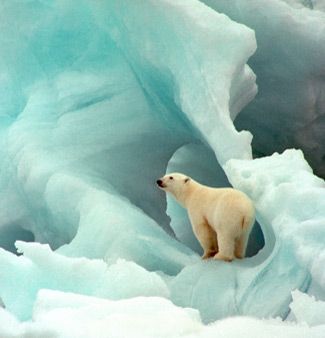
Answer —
(240, 245)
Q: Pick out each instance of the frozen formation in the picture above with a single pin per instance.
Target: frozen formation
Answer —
(59, 314)
(306, 309)
(291, 60)
(98, 99)
(312, 4)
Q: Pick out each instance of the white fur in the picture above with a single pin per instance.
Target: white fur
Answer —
(221, 218)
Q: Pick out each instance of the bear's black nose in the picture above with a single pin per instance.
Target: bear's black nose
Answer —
(159, 182)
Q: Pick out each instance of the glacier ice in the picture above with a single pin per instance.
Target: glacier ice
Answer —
(45, 269)
(289, 59)
(312, 4)
(98, 99)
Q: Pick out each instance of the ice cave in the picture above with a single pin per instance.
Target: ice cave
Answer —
(99, 98)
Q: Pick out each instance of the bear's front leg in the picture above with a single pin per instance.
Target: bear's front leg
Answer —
(206, 236)
(209, 254)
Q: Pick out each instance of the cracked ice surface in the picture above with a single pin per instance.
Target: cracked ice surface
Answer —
(98, 99)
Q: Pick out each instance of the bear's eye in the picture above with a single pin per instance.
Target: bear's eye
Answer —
(171, 177)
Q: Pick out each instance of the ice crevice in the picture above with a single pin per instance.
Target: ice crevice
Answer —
(119, 94)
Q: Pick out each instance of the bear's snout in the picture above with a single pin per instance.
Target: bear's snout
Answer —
(161, 184)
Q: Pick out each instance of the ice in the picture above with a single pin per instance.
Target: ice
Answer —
(291, 200)
(115, 318)
(162, 60)
(307, 310)
(290, 59)
(42, 268)
(312, 4)
(100, 98)
(59, 314)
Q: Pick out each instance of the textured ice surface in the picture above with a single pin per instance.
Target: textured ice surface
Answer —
(45, 269)
(307, 310)
(99, 99)
(291, 60)
(58, 314)
(312, 4)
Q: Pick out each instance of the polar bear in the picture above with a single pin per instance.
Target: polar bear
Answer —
(221, 218)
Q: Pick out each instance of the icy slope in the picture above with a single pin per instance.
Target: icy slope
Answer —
(101, 98)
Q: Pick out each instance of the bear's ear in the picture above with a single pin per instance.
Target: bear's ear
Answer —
(186, 179)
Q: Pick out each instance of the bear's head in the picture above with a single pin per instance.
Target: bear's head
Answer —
(175, 183)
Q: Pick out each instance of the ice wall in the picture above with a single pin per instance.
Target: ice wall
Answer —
(289, 59)
(98, 100)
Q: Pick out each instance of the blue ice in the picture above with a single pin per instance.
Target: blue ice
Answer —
(98, 99)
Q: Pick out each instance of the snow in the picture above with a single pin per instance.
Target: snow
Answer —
(97, 100)
(59, 314)
(306, 309)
